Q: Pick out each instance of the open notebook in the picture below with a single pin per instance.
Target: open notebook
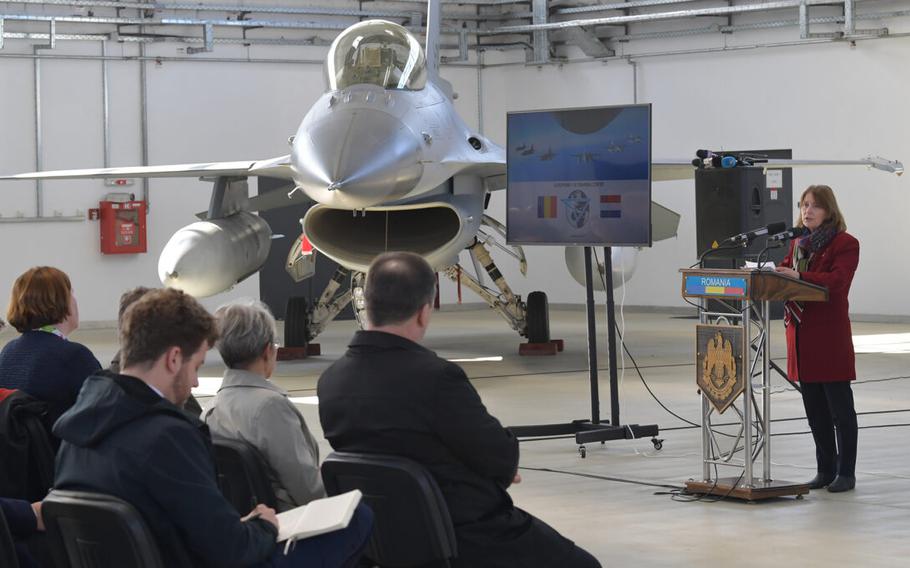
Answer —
(317, 517)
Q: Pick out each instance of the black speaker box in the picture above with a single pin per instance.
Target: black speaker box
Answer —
(730, 201)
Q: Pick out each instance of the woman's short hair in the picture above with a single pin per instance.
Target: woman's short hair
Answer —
(40, 297)
(824, 198)
(398, 285)
(245, 328)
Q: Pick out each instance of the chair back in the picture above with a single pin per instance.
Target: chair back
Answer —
(8, 556)
(242, 475)
(26, 443)
(412, 525)
(93, 530)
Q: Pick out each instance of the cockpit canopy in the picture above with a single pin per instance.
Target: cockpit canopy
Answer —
(379, 53)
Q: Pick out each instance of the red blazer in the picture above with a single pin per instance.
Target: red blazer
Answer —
(820, 348)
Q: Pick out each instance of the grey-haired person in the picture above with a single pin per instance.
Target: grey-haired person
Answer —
(250, 407)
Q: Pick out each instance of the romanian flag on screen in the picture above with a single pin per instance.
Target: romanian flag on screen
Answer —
(610, 206)
(546, 207)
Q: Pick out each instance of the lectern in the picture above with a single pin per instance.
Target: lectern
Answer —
(732, 350)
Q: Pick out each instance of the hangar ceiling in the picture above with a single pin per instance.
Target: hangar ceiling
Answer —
(537, 31)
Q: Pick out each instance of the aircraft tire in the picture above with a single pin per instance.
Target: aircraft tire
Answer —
(538, 318)
(297, 322)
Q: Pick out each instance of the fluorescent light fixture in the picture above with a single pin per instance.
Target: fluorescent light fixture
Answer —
(493, 359)
(314, 400)
(208, 386)
(882, 343)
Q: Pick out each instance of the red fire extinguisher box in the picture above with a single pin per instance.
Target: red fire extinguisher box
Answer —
(122, 227)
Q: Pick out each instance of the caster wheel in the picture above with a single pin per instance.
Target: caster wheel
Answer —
(658, 443)
(582, 452)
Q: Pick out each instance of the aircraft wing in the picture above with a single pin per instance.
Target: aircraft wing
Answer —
(671, 169)
(493, 172)
(877, 162)
(279, 167)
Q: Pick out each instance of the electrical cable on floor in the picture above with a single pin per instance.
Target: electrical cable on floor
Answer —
(601, 477)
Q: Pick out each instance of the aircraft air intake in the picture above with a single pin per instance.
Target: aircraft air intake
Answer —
(435, 232)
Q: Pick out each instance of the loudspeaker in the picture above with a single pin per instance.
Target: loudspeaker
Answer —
(729, 201)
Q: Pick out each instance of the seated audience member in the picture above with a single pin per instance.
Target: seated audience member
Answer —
(127, 299)
(126, 436)
(41, 361)
(250, 408)
(24, 521)
(390, 395)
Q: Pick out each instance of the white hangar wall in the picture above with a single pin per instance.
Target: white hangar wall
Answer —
(824, 101)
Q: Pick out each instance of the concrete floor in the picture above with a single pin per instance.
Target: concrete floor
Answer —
(615, 502)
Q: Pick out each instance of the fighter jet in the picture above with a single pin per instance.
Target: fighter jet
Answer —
(585, 157)
(390, 166)
(528, 151)
(613, 148)
(548, 155)
(384, 142)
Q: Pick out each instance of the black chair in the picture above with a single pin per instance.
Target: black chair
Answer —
(412, 525)
(242, 475)
(92, 530)
(26, 443)
(8, 556)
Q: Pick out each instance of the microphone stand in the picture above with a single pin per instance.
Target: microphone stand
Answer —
(765, 251)
(710, 251)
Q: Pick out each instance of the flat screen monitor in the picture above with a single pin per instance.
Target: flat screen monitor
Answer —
(579, 176)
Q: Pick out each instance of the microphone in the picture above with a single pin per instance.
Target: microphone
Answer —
(715, 162)
(749, 236)
(791, 233)
(705, 154)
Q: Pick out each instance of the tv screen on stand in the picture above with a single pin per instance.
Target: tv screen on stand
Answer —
(579, 177)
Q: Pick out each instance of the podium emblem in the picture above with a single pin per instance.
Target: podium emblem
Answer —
(720, 373)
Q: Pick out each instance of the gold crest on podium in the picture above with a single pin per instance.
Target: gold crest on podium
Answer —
(719, 370)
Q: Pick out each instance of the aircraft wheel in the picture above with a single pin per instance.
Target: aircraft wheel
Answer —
(538, 317)
(297, 322)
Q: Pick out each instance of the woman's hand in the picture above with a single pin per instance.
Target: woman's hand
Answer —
(787, 272)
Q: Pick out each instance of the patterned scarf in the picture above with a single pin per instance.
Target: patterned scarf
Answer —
(811, 244)
(802, 254)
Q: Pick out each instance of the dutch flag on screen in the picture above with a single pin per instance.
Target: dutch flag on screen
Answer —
(611, 206)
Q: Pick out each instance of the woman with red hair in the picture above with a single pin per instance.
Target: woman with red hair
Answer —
(41, 361)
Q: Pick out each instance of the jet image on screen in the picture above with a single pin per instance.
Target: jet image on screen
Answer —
(580, 176)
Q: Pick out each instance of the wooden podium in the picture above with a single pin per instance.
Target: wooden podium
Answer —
(729, 356)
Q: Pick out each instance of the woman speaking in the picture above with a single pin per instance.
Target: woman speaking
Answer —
(819, 342)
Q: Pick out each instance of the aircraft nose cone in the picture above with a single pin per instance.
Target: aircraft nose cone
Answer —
(357, 158)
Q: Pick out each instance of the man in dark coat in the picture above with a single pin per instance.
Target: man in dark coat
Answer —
(389, 395)
(127, 436)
